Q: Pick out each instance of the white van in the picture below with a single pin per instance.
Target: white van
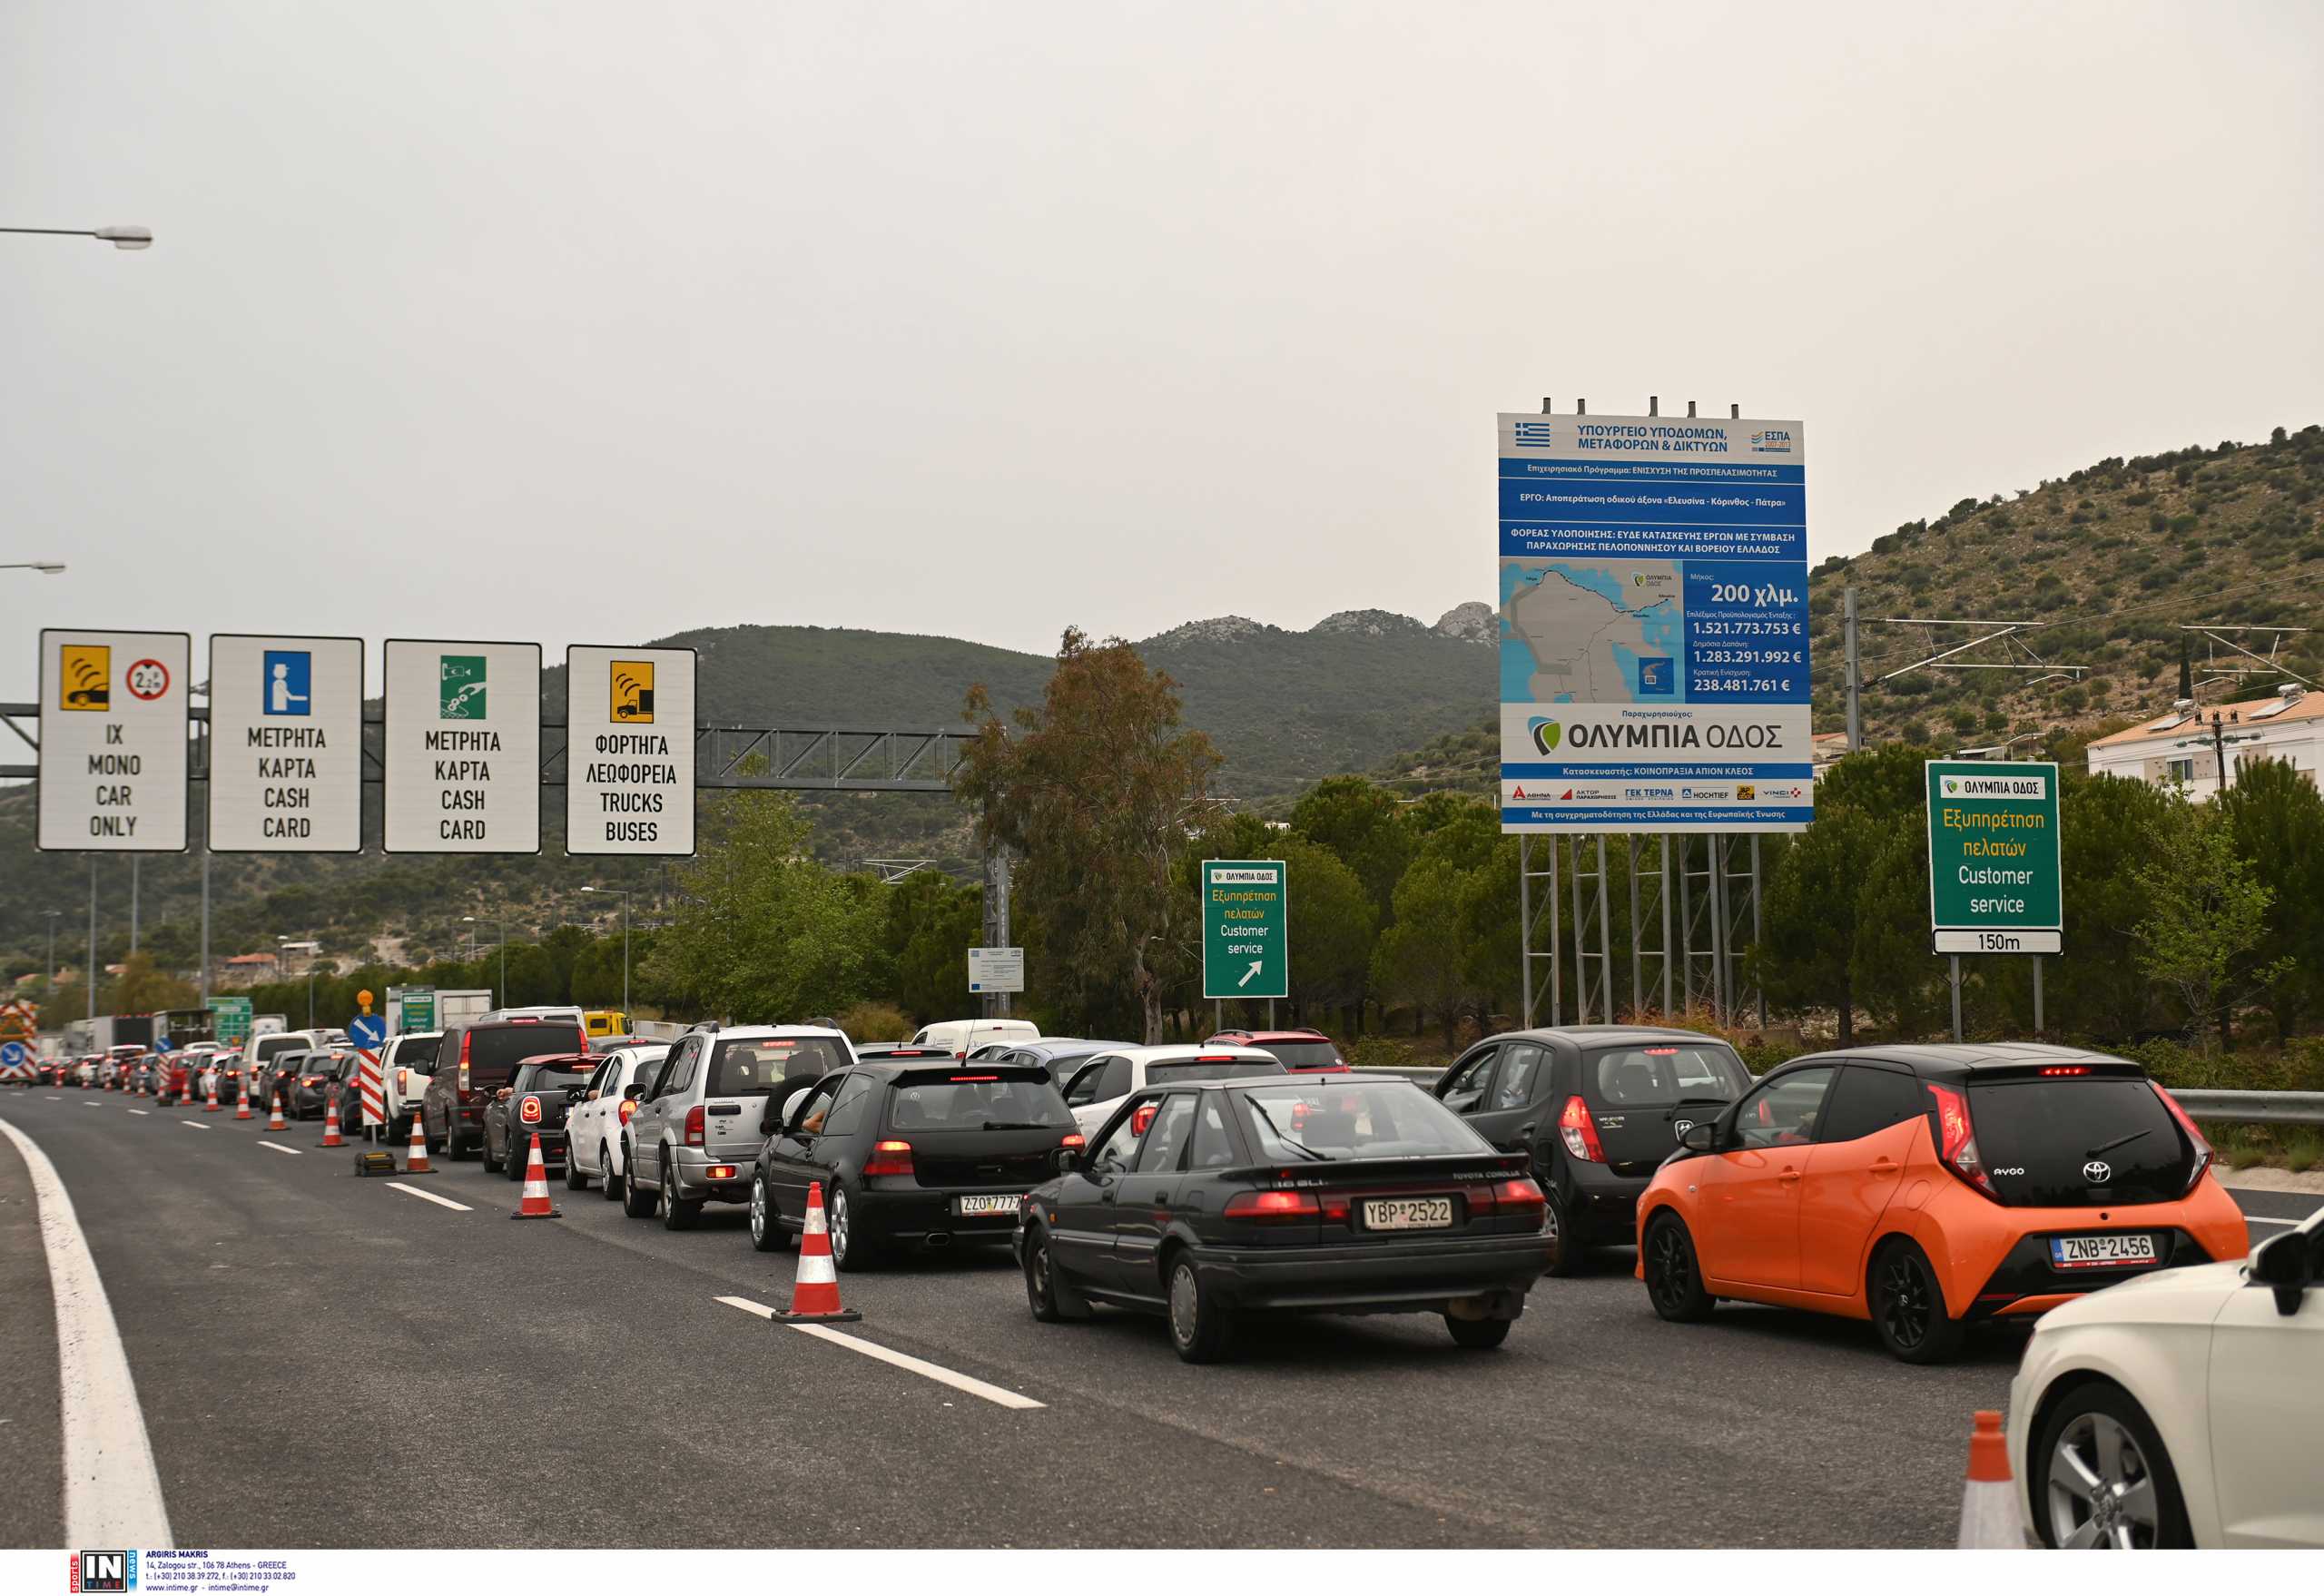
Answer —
(964, 1037)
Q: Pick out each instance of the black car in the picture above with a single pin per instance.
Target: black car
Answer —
(535, 1103)
(1596, 1109)
(910, 1151)
(474, 1060)
(307, 1080)
(1343, 1193)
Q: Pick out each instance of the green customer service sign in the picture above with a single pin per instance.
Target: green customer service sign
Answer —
(1992, 857)
(1246, 929)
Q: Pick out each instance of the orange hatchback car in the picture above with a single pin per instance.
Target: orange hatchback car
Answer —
(1925, 1189)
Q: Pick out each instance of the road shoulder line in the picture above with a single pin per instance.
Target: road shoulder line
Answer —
(112, 1493)
(426, 1197)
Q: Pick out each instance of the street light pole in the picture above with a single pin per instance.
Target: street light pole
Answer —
(501, 925)
(624, 892)
(45, 567)
(120, 238)
(91, 975)
(54, 915)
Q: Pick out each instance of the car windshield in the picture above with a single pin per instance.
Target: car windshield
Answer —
(954, 1102)
(1302, 1055)
(1178, 1071)
(273, 1046)
(496, 1050)
(551, 1077)
(1664, 1073)
(1352, 1120)
(754, 1066)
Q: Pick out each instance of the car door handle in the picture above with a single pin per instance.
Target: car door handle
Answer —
(1885, 1166)
(1788, 1175)
(1526, 1130)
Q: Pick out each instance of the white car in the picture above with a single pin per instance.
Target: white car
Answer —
(593, 1127)
(1098, 1087)
(406, 1064)
(2183, 1408)
(964, 1037)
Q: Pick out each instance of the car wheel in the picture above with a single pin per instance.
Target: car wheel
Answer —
(675, 1215)
(1556, 1224)
(1479, 1334)
(1040, 1284)
(1908, 1306)
(1201, 1328)
(613, 1183)
(484, 1149)
(2102, 1480)
(851, 1247)
(635, 1201)
(513, 1164)
(766, 1228)
(576, 1178)
(1673, 1283)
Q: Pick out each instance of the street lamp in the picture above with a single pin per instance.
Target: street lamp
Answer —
(45, 567)
(624, 892)
(54, 915)
(501, 925)
(120, 238)
(285, 945)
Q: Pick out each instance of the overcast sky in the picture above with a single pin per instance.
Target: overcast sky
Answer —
(598, 320)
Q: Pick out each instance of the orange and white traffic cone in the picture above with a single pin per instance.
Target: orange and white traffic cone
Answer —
(185, 1097)
(814, 1290)
(331, 1138)
(415, 1160)
(274, 1121)
(1989, 1519)
(242, 1108)
(210, 1088)
(535, 1204)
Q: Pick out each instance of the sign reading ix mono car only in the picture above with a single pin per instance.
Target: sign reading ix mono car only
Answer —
(112, 741)
(463, 747)
(1653, 589)
(286, 744)
(1993, 858)
(629, 750)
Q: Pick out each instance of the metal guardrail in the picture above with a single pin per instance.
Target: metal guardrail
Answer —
(2252, 1107)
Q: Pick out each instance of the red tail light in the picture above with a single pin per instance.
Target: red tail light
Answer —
(1514, 1198)
(1580, 1132)
(628, 1106)
(2065, 1069)
(403, 1081)
(2203, 1147)
(961, 1078)
(466, 1037)
(1957, 1139)
(694, 1126)
(1072, 1138)
(1142, 1118)
(529, 1111)
(889, 1157)
(1275, 1207)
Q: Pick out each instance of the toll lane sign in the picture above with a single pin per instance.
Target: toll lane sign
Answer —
(286, 744)
(463, 747)
(112, 741)
(1246, 929)
(629, 750)
(1994, 876)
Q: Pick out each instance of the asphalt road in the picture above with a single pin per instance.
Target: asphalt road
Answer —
(330, 1361)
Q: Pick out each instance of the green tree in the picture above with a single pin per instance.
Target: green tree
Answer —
(1806, 958)
(1332, 927)
(2207, 916)
(1365, 826)
(1890, 968)
(1424, 957)
(931, 923)
(2276, 820)
(1095, 789)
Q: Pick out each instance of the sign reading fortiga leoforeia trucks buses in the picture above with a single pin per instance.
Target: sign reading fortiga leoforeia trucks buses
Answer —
(1653, 590)
(1993, 867)
(629, 750)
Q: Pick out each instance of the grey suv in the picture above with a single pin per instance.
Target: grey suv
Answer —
(698, 1123)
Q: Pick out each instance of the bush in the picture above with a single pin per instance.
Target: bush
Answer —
(874, 1021)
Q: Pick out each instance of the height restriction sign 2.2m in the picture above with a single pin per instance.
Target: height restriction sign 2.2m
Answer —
(1993, 867)
(1246, 929)
(112, 741)
(629, 715)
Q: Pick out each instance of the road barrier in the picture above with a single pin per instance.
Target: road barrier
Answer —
(2252, 1107)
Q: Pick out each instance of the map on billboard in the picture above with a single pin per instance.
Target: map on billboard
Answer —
(1653, 592)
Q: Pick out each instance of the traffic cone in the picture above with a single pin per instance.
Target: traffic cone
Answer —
(814, 1290)
(242, 1108)
(1989, 1519)
(185, 1097)
(331, 1138)
(536, 1204)
(274, 1121)
(210, 1087)
(415, 1160)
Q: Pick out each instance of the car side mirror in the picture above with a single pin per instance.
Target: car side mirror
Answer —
(631, 1092)
(1066, 1159)
(1700, 1139)
(2282, 1264)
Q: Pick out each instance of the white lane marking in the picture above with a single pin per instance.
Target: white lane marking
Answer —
(2263, 1219)
(91, 1103)
(426, 1197)
(113, 1496)
(51, 1100)
(872, 1349)
(275, 1147)
(197, 1124)
(140, 1111)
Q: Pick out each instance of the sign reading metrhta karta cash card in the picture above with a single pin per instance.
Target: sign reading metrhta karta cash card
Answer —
(463, 747)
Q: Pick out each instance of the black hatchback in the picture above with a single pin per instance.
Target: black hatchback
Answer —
(1596, 1109)
(1337, 1194)
(908, 1153)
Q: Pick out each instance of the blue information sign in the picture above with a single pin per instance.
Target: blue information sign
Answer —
(1654, 588)
(12, 1054)
(367, 1031)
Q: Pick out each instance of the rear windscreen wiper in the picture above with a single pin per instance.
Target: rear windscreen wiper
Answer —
(2118, 1141)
